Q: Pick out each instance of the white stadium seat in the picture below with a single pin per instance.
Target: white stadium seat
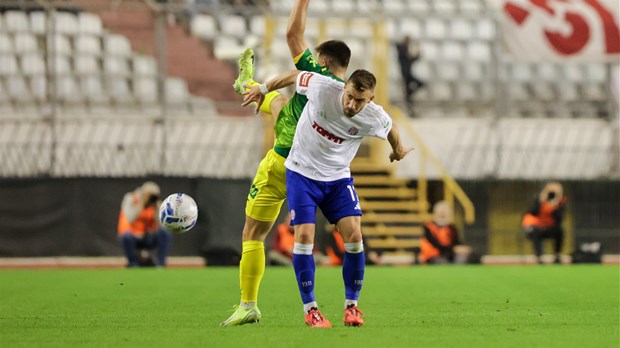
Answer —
(568, 92)
(473, 71)
(88, 44)
(521, 72)
(85, 65)
(368, 6)
(8, 65)
(485, 29)
(68, 90)
(59, 64)
(257, 25)
(449, 71)
(204, 27)
(115, 66)
(117, 45)
(444, 6)
(145, 89)
(410, 27)
(38, 87)
(452, 50)
(66, 23)
(343, 6)
(118, 89)
(471, 6)
(61, 45)
(393, 6)
(38, 22)
(419, 6)
(596, 72)
(24, 42)
(461, 29)
(90, 24)
(33, 64)
(176, 91)
(316, 7)
(144, 65)
(360, 28)
(233, 25)
(594, 91)
(572, 72)
(423, 70)
(479, 50)
(93, 90)
(546, 71)
(516, 91)
(435, 28)
(466, 91)
(543, 91)
(6, 44)
(429, 50)
(17, 89)
(16, 21)
(440, 90)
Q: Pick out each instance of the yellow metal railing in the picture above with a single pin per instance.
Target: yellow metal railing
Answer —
(452, 189)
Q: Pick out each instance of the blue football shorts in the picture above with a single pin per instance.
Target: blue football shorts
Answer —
(336, 199)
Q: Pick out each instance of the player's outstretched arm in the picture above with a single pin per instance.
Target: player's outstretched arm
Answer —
(296, 28)
(257, 93)
(398, 151)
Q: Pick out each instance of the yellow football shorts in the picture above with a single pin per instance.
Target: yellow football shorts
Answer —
(268, 190)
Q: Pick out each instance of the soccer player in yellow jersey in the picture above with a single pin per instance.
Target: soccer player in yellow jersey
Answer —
(268, 190)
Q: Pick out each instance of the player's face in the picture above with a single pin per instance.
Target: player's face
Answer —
(354, 100)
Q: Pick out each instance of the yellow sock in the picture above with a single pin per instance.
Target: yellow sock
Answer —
(269, 97)
(251, 269)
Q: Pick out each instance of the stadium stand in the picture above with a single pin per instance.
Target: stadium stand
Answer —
(94, 70)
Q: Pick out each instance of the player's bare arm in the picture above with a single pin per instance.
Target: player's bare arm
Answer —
(257, 93)
(398, 150)
(296, 28)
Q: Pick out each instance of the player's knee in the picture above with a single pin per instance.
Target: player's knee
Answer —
(255, 230)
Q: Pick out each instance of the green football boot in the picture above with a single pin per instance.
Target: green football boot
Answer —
(243, 316)
(246, 69)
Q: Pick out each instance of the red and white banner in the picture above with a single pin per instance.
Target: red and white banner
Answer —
(562, 30)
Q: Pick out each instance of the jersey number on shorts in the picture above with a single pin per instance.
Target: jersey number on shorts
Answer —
(353, 193)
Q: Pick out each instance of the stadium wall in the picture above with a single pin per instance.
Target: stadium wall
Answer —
(78, 216)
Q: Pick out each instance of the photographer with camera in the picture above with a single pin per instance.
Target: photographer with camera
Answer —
(138, 227)
(544, 219)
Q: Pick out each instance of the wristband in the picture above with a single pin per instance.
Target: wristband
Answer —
(263, 88)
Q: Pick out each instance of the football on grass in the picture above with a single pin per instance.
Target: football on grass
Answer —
(178, 213)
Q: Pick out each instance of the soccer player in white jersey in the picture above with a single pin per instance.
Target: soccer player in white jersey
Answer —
(331, 128)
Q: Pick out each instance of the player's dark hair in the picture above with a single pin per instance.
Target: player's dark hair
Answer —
(363, 80)
(336, 50)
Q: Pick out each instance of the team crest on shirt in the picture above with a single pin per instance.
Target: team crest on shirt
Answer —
(353, 131)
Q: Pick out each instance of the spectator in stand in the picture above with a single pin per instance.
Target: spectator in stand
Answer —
(406, 57)
(544, 219)
(138, 227)
(440, 244)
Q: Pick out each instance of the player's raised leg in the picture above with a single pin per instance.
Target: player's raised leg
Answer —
(273, 102)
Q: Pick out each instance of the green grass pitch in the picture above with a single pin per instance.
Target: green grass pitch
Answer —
(458, 306)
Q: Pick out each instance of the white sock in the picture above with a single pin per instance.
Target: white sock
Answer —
(303, 249)
(347, 303)
(354, 248)
(308, 306)
(247, 305)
